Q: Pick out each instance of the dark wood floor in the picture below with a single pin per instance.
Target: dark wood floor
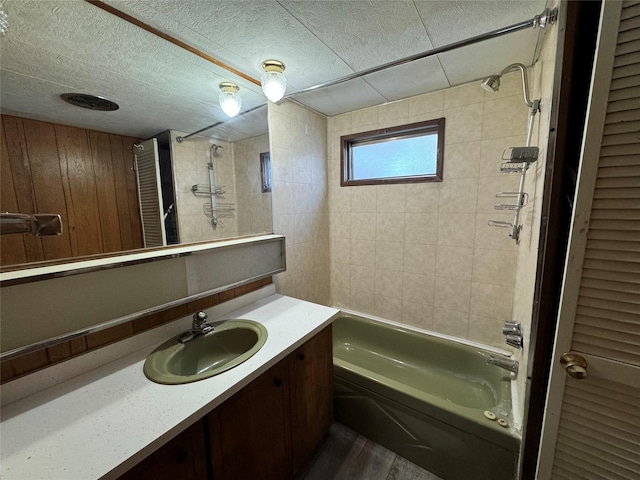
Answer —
(345, 455)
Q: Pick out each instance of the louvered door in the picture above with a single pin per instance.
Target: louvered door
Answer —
(150, 193)
(592, 425)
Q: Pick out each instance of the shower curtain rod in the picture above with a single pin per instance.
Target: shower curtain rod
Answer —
(547, 17)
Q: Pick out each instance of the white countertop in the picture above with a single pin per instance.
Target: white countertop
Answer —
(102, 422)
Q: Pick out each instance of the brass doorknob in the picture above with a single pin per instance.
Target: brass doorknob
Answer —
(575, 365)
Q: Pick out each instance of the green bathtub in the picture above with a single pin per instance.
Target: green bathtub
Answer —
(424, 398)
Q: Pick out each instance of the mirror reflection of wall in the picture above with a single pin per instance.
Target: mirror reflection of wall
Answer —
(223, 202)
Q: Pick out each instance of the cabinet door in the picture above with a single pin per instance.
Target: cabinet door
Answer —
(183, 457)
(311, 377)
(251, 432)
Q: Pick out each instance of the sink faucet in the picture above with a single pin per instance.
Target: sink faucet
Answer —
(503, 362)
(199, 326)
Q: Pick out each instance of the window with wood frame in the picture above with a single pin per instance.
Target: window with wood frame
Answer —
(405, 154)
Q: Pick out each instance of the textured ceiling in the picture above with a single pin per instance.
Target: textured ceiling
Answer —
(60, 46)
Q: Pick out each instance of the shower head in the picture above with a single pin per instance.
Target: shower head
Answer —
(216, 150)
(491, 83)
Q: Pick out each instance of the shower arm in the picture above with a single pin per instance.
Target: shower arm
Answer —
(525, 82)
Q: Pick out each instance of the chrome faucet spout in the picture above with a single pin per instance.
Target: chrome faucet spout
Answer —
(199, 326)
(504, 362)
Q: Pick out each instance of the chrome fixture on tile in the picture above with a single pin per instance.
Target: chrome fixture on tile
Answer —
(504, 362)
(513, 333)
(38, 225)
(199, 326)
(517, 159)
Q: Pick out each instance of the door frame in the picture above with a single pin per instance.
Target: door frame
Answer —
(578, 24)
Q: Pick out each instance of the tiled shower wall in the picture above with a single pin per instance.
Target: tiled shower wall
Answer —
(254, 207)
(422, 253)
(190, 160)
(299, 173)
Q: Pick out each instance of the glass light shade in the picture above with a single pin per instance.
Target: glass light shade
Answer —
(274, 84)
(230, 102)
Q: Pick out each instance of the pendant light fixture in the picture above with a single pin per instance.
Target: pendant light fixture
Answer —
(274, 83)
(230, 101)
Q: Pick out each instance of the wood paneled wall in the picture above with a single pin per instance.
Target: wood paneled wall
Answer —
(84, 175)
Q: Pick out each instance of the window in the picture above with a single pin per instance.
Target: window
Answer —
(409, 153)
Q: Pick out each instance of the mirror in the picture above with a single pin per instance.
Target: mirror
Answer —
(59, 158)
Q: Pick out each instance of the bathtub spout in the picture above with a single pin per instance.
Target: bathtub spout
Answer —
(503, 362)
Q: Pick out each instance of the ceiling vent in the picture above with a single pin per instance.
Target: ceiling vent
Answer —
(89, 101)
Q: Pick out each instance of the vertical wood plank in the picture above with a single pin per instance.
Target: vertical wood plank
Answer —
(21, 171)
(47, 183)
(12, 249)
(80, 190)
(122, 193)
(132, 191)
(105, 188)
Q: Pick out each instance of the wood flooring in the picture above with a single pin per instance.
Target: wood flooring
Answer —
(345, 455)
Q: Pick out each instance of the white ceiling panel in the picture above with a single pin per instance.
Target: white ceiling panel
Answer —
(490, 57)
(60, 46)
(410, 79)
(364, 34)
(450, 21)
(354, 94)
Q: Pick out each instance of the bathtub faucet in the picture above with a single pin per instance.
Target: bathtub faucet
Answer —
(503, 362)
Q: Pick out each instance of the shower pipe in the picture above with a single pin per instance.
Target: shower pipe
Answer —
(547, 17)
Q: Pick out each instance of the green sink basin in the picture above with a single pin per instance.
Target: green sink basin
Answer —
(228, 345)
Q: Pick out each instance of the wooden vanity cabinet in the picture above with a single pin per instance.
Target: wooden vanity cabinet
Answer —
(183, 457)
(251, 433)
(311, 390)
(266, 431)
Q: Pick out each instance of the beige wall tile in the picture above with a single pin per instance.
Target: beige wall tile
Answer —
(388, 283)
(462, 160)
(389, 308)
(418, 288)
(463, 124)
(394, 113)
(365, 119)
(389, 255)
(340, 224)
(363, 199)
(419, 259)
(363, 302)
(417, 315)
(287, 285)
(363, 225)
(494, 266)
(463, 95)
(430, 103)
(458, 195)
(422, 197)
(339, 198)
(451, 322)
(363, 279)
(363, 252)
(452, 294)
(340, 297)
(340, 275)
(340, 250)
(390, 227)
(456, 229)
(454, 262)
(493, 301)
(504, 117)
(421, 228)
(390, 198)
(487, 330)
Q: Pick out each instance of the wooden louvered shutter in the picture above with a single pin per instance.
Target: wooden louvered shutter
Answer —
(150, 193)
(592, 425)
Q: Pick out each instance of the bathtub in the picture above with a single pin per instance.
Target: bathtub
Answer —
(424, 398)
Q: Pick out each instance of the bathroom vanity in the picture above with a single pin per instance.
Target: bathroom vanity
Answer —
(266, 414)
